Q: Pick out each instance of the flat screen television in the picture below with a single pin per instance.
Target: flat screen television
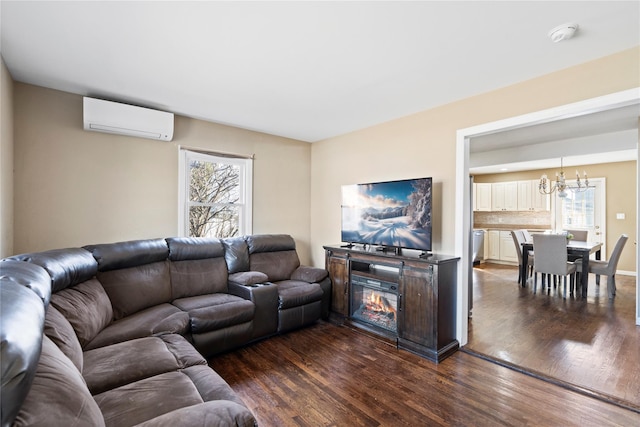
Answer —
(392, 214)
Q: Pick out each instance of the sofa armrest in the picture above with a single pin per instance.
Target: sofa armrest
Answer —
(248, 278)
(215, 412)
(265, 298)
(309, 274)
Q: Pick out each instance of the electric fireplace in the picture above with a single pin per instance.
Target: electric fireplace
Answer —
(374, 302)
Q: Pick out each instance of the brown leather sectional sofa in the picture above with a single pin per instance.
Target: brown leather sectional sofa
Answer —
(117, 334)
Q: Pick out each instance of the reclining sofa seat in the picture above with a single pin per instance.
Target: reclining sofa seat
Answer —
(303, 292)
(199, 285)
(47, 378)
(135, 276)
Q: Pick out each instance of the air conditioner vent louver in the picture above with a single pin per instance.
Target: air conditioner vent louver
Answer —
(124, 119)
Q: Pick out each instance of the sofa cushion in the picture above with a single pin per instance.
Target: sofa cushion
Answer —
(66, 267)
(276, 265)
(198, 277)
(236, 253)
(60, 331)
(210, 384)
(161, 319)
(21, 325)
(116, 365)
(136, 288)
(148, 398)
(58, 394)
(247, 278)
(216, 311)
(292, 293)
(87, 307)
(214, 413)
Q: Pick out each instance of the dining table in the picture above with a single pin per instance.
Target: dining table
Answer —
(577, 250)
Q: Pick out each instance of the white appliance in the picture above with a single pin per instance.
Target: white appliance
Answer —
(124, 119)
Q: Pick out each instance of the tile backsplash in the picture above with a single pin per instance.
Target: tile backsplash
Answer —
(522, 219)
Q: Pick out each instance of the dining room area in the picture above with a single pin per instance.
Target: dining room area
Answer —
(554, 294)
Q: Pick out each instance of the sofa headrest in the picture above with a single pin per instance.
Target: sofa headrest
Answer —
(67, 267)
(114, 256)
(186, 248)
(21, 327)
(236, 254)
(31, 276)
(270, 243)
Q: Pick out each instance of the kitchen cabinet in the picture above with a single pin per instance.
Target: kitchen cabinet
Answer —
(494, 244)
(504, 196)
(530, 198)
(507, 247)
(501, 246)
(482, 196)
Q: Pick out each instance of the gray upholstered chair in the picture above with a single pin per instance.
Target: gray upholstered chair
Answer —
(579, 235)
(607, 268)
(519, 238)
(551, 260)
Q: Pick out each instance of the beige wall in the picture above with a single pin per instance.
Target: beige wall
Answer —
(621, 191)
(6, 161)
(424, 144)
(74, 187)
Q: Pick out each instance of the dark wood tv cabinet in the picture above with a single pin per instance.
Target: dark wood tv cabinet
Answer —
(425, 289)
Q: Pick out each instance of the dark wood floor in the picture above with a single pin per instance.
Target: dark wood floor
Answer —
(593, 344)
(328, 375)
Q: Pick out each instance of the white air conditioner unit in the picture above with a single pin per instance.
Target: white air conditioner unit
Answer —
(124, 119)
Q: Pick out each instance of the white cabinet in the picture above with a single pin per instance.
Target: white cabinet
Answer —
(529, 197)
(504, 196)
(501, 246)
(482, 196)
(494, 244)
(507, 247)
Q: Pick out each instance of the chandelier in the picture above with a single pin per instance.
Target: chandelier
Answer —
(547, 186)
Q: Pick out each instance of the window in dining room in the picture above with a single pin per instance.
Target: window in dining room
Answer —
(583, 210)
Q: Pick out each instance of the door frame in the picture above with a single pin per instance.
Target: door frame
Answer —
(463, 191)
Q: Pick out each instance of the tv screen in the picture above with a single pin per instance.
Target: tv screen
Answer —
(392, 214)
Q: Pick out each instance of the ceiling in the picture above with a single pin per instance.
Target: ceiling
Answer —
(596, 137)
(303, 70)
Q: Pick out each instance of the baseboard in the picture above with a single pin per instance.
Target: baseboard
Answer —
(626, 273)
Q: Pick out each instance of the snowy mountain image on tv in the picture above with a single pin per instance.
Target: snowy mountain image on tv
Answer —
(394, 213)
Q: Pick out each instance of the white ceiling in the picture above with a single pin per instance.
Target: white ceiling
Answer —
(304, 70)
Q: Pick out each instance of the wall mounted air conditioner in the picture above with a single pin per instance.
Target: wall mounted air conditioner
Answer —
(124, 119)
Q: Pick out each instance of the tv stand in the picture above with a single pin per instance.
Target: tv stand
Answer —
(426, 288)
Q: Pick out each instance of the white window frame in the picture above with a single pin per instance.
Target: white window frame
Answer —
(245, 211)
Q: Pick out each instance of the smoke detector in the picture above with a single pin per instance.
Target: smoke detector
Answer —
(562, 32)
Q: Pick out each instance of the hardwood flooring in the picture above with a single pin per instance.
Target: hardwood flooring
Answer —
(328, 375)
(592, 344)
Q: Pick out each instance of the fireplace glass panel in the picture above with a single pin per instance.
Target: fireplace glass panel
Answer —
(375, 307)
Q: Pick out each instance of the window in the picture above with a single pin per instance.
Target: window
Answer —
(215, 195)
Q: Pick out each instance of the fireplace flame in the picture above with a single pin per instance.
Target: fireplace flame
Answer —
(379, 304)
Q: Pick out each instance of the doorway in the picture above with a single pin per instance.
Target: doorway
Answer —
(465, 138)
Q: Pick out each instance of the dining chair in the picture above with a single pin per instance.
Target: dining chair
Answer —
(519, 238)
(551, 260)
(579, 235)
(607, 268)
